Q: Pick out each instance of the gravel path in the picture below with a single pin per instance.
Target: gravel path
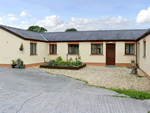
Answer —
(117, 77)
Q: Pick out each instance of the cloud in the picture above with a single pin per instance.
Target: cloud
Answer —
(12, 19)
(24, 22)
(54, 23)
(14, 26)
(50, 21)
(143, 16)
(1, 20)
(24, 13)
(24, 26)
(11, 15)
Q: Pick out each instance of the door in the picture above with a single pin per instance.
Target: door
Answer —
(110, 54)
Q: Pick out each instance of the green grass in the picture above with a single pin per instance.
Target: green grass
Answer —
(148, 111)
(119, 96)
(132, 93)
(128, 92)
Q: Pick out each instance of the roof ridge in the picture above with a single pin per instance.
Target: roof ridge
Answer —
(44, 37)
(96, 31)
(73, 31)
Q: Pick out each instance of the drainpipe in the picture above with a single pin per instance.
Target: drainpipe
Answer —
(136, 53)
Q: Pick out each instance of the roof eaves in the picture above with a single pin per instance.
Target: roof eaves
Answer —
(12, 32)
(145, 34)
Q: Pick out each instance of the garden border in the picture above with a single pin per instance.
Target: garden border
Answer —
(63, 67)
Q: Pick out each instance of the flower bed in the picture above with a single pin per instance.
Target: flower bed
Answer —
(64, 67)
(59, 64)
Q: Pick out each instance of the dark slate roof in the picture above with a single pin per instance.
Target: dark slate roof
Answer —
(95, 35)
(129, 34)
(24, 33)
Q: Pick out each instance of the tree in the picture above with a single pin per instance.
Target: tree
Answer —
(72, 29)
(36, 29)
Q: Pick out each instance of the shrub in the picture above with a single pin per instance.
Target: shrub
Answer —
(21, 62)
(70, 60)
(74, 63)
(13, 61)
(52, 61)
(58, 59)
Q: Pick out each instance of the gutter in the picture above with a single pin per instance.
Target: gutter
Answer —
(44, 37)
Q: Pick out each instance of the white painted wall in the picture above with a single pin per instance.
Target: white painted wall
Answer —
(120, 53)
(9, 49)
(85, 53)
(144, 63)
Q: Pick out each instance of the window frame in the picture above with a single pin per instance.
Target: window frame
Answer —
(31, 51)
(73, 49)
(52, 49)
(129, 48)
(144, 47)
(96, 49)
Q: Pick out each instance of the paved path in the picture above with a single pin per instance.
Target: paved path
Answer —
(34, 91)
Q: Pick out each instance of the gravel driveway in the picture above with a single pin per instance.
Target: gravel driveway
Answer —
(34, 91)
(118, 77)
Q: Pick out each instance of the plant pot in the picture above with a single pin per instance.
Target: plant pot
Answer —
(13, 65)
(22, 66)
(21, 49)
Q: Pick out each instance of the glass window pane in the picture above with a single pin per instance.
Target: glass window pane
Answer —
(34, 47)
(71, 49)
(30, 48)
(55, 49)
(76, 49)
(131, 48)
(93, 48)
(100, 49)
(110, 47)
(144, 48)
(127, 48)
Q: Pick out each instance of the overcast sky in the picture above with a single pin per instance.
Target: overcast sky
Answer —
(59, 15)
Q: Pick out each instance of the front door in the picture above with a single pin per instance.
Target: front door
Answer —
(110, 54)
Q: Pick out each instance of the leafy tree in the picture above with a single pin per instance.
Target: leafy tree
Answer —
(36, 29)
(72, 29)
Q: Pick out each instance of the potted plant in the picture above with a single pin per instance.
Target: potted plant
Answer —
(13, 63)
(21, 66)
(21, 47)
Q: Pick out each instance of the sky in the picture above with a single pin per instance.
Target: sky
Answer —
(84, 15)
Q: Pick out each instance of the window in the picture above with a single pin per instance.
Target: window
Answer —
(144, 48)
(73, 48)
(110, 47)
(129, 49)
(97, 48)
(32, 48)
(52, 49)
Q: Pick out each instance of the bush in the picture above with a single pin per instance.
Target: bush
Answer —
(52, 61)
(21, 62)
(70, 60)
(58, 59)
(74, 63)
(13, 61)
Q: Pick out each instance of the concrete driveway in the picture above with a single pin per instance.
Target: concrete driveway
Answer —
(34, 91)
